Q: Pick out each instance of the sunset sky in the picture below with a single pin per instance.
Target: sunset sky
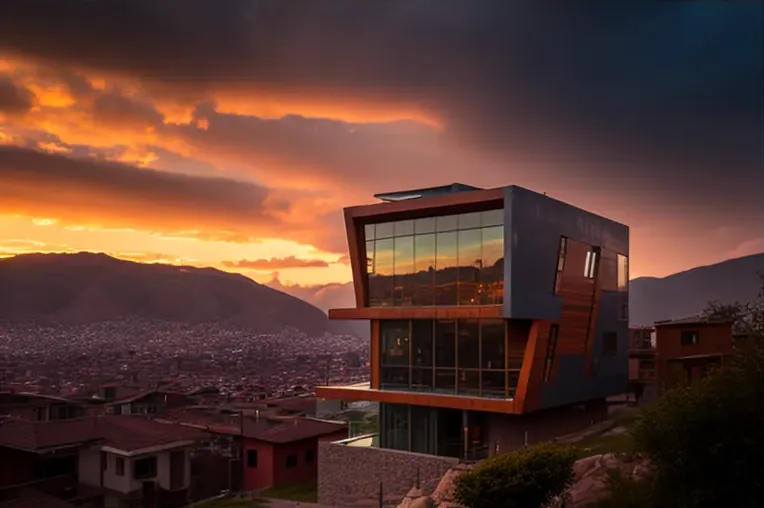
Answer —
(231, 134)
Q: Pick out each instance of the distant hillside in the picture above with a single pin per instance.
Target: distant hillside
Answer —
(84, 287)
(686, 293)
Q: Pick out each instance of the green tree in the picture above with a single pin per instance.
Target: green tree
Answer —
(706, 442)
(526, 478)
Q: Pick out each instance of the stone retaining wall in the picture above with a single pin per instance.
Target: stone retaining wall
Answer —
(350, 475)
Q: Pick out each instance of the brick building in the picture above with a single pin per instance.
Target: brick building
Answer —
(687, 350)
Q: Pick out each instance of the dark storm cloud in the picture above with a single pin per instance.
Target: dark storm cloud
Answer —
(14, 99)
(672, 88)
(48, 185)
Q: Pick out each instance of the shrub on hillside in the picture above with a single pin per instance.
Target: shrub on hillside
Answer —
(526, 478)
(706, 442)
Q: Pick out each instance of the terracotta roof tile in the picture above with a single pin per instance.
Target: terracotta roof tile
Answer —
(291, 430)
(126, 433)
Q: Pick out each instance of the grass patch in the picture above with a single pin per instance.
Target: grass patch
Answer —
(605, 443)
(306, 493)
(233, 502)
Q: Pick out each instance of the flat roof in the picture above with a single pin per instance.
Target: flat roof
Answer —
(427, 191)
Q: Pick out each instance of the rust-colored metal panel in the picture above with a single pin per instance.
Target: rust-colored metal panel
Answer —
(463, 312)
(418, 399)
(576, 292)
(532, 374)
(357, 252)
(374, 355)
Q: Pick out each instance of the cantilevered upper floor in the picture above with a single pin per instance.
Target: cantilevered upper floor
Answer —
(500, 252)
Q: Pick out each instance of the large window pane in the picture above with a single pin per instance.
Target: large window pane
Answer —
(384, 230)
(492, 342)
(493, 383)
(424, 430)
(395, 378)
(425, 225)
(470, 261)
(395, 426)
(381, 281)
(394, 340)
(469, 220)
(403, 228)
(492, 267)
(446, 223)
(370, 258)
(395, 354)
(368, 232)
(424, 266)
(404, 271)
(468, 344)
(493, 218)
(422, 342)
(445, 343)
(446, 265)
(421, 379)
(469, 382)
(445, 380)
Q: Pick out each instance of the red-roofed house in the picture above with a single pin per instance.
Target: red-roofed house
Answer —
(122, 457)
(281, 452)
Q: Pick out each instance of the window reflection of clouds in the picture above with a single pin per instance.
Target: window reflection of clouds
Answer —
(460, 264)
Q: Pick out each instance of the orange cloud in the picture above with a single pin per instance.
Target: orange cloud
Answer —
(276, 263)
(117, 195)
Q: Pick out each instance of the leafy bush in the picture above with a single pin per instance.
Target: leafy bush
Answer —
(706, 442)
(527, 478)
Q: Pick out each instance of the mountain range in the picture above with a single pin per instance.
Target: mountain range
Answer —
(85, 287)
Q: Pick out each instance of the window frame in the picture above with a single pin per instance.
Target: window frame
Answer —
(252, 458)
(591, 265)
(689, 333)
(561, 256)
(152, 473)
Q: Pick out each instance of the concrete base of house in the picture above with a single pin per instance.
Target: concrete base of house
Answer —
(349, 474)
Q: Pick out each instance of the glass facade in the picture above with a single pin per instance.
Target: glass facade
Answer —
(445, 261)
(461, 357)
(434, 431)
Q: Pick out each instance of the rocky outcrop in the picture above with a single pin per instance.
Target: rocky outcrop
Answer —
(591, 475)
(590, 483)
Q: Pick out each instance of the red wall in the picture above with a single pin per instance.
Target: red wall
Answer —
(271, 462)
(713, 339)
(259, 477)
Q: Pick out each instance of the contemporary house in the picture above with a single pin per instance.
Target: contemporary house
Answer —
(498, 316)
